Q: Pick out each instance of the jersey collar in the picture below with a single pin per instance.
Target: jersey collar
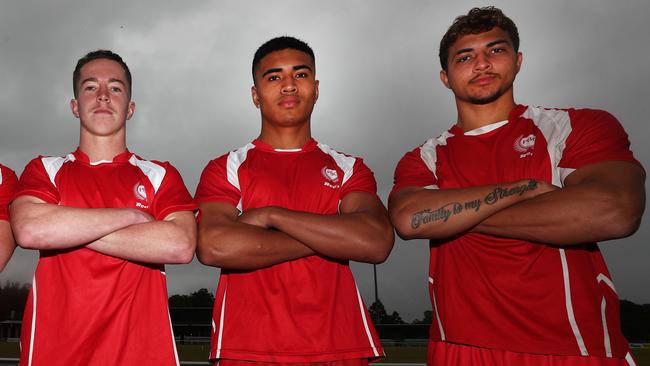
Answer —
(310, 145)
(514, 113)
(119, 158)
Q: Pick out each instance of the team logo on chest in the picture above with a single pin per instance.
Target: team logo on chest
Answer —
(141, 195)
(524, 145)
(331, 176)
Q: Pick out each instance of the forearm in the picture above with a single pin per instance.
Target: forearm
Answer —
(240, 246)
(359, 236)
(161, 242)
(573, 215)
(48, 226)
(442, 213)
(7, 244)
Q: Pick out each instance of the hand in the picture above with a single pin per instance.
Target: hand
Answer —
(256, 216)
(141, 217)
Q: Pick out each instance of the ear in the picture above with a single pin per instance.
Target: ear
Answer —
(520, 59)
(74, 107)
(444, 78)
(255, 96)
(130, 110)
(316, 83)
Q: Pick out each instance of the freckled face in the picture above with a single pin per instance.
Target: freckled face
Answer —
(482, 67)
(103, 104)
(285, 87)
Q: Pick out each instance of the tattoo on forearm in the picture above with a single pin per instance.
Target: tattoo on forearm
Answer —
(499, 193)
(444, 212)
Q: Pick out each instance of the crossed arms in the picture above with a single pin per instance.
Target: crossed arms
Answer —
(600, 201)
(120, 232)
(266, 236)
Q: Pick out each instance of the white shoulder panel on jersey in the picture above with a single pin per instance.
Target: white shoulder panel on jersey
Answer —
(52, 164)
(555, 125)
(429, 156)
(153, 171)
(346, 163)
(235, 160)
(0, 176)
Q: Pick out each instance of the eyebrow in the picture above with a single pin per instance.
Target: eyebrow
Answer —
(111, 80)
(493, 43)
(297, 67)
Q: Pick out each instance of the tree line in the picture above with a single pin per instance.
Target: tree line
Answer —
(635, 318)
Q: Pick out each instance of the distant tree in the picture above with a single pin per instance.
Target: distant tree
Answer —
(426, 319)
(197, 299)
(14, 296)
(379, 314)
(635, 321)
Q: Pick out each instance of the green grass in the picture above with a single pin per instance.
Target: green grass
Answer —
(406, 354)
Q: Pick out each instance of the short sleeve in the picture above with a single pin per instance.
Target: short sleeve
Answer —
(34, 181)
(8, 186)
(362, 180)
(595, 136)
(412, 171)
(172, 196)
(214, 185)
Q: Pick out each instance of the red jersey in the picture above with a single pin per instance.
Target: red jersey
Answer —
(511, 294)
(304, 310)
(87, 308)
(8, 183)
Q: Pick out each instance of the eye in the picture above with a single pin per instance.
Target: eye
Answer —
(498, 50)
(116, 89)
(273, 78)
(301, 75)
(463, 58)
(90, 88)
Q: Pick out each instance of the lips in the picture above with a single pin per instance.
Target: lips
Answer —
(289, 102)
(484, 79)
(102, 111)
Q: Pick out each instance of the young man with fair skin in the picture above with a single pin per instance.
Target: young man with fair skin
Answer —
(514, 199)
(105, 222)
(8, 183)
(283, 216)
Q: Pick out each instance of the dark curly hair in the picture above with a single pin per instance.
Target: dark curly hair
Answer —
(477, 20)
(279, 44)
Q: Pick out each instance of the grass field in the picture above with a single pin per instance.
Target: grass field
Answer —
(403, 354)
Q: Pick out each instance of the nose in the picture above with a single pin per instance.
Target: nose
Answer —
(482, 62)
(102, 94)
(289, 86)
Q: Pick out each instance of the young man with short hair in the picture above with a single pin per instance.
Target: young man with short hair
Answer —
(514, 199)
(283, 216)
(8, 183)
(105, 222)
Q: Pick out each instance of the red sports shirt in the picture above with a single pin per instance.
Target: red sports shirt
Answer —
(305, 310)
(510, 294)
(8, 184)
(87, 308)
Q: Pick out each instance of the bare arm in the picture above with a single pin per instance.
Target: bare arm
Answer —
(7, 244)
(228, 243)
(172, 240)
(361, 232)
(40, 225)
(441, 213)
(599, 202)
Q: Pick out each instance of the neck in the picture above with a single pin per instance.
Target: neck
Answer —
(472, 116)
(285, 137)
(102, 147)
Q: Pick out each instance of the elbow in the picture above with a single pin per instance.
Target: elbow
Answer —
(183, 255)
(210, 253)
(622, 224)
(28, 236)
(403, 226)
(380, 246)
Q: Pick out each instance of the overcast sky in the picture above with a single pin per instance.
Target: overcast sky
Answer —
(380, 94)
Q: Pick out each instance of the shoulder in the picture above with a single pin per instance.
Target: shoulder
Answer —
(543, 116)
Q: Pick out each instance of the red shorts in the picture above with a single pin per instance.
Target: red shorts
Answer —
(444, 353)
(351, 362)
